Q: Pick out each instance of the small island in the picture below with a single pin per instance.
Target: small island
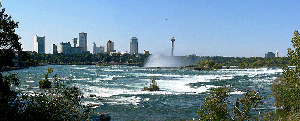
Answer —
(153, 86)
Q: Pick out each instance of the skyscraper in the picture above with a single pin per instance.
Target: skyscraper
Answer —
(134, 45)
(54, 49)
(110, 46)
(83, 41)
(39, 44)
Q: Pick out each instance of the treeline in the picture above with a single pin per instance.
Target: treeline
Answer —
(88, 59)
(253, 62)
(241, 62)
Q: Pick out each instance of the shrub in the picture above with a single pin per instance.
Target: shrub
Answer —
(153, 85)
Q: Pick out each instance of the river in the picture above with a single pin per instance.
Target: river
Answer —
(183, 91)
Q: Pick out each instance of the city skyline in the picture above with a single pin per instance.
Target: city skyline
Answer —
(204, 28)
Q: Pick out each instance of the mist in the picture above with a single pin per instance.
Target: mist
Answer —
(164, 61)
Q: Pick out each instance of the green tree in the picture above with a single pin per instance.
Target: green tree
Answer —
(215, 106)
(286, 89)
(9, 40)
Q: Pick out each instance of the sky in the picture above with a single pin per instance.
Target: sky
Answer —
(229, 28)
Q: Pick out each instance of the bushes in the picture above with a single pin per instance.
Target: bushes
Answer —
(153, 85)
(286, 89)
(46, 83)
(215, 107)
(60, 102)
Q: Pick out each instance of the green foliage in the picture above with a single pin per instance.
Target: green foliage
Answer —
(88, 59)
(46, 83)
(153, 85)
(243, 106)
(208, 65)
(286, 89)
(9, 40)
(215, 107)
(62, 102)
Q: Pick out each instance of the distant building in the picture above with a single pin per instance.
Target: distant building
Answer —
(146, 52)
(276, 54)
(110, 47)
(39, 44)
(134, 45)
(83, 41)
(97, 49)
(74, 41)
(269, 55)
(76, 50)
(54, 49)
(65, 48)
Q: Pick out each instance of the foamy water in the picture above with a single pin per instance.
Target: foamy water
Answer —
(118, 89)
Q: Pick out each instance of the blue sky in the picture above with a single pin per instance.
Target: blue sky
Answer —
(235, 28)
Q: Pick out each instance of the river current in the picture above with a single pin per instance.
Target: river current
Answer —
(118, 89)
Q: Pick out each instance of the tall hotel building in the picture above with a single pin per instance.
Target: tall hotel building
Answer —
(110, 46)
(83, 41)
(39, 44)
(134, 45)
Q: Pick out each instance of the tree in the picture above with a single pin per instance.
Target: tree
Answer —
(215, 106)
(153, 85)
(286, 89)
(9, 40)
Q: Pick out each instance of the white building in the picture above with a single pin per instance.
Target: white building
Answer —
(134, 45)
(83, 41)
(39, 44)
(97, 49)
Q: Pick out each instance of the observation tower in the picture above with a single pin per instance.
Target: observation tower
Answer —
(172, 51)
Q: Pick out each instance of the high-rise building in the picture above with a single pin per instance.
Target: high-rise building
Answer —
(134, 45)
(276, 54)
(97, 49)
(74, 41)
(83, 41)
(269, 55)
(172, 51)
(65, 48)
(39, 44)
(54, 49)
(110, 46)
